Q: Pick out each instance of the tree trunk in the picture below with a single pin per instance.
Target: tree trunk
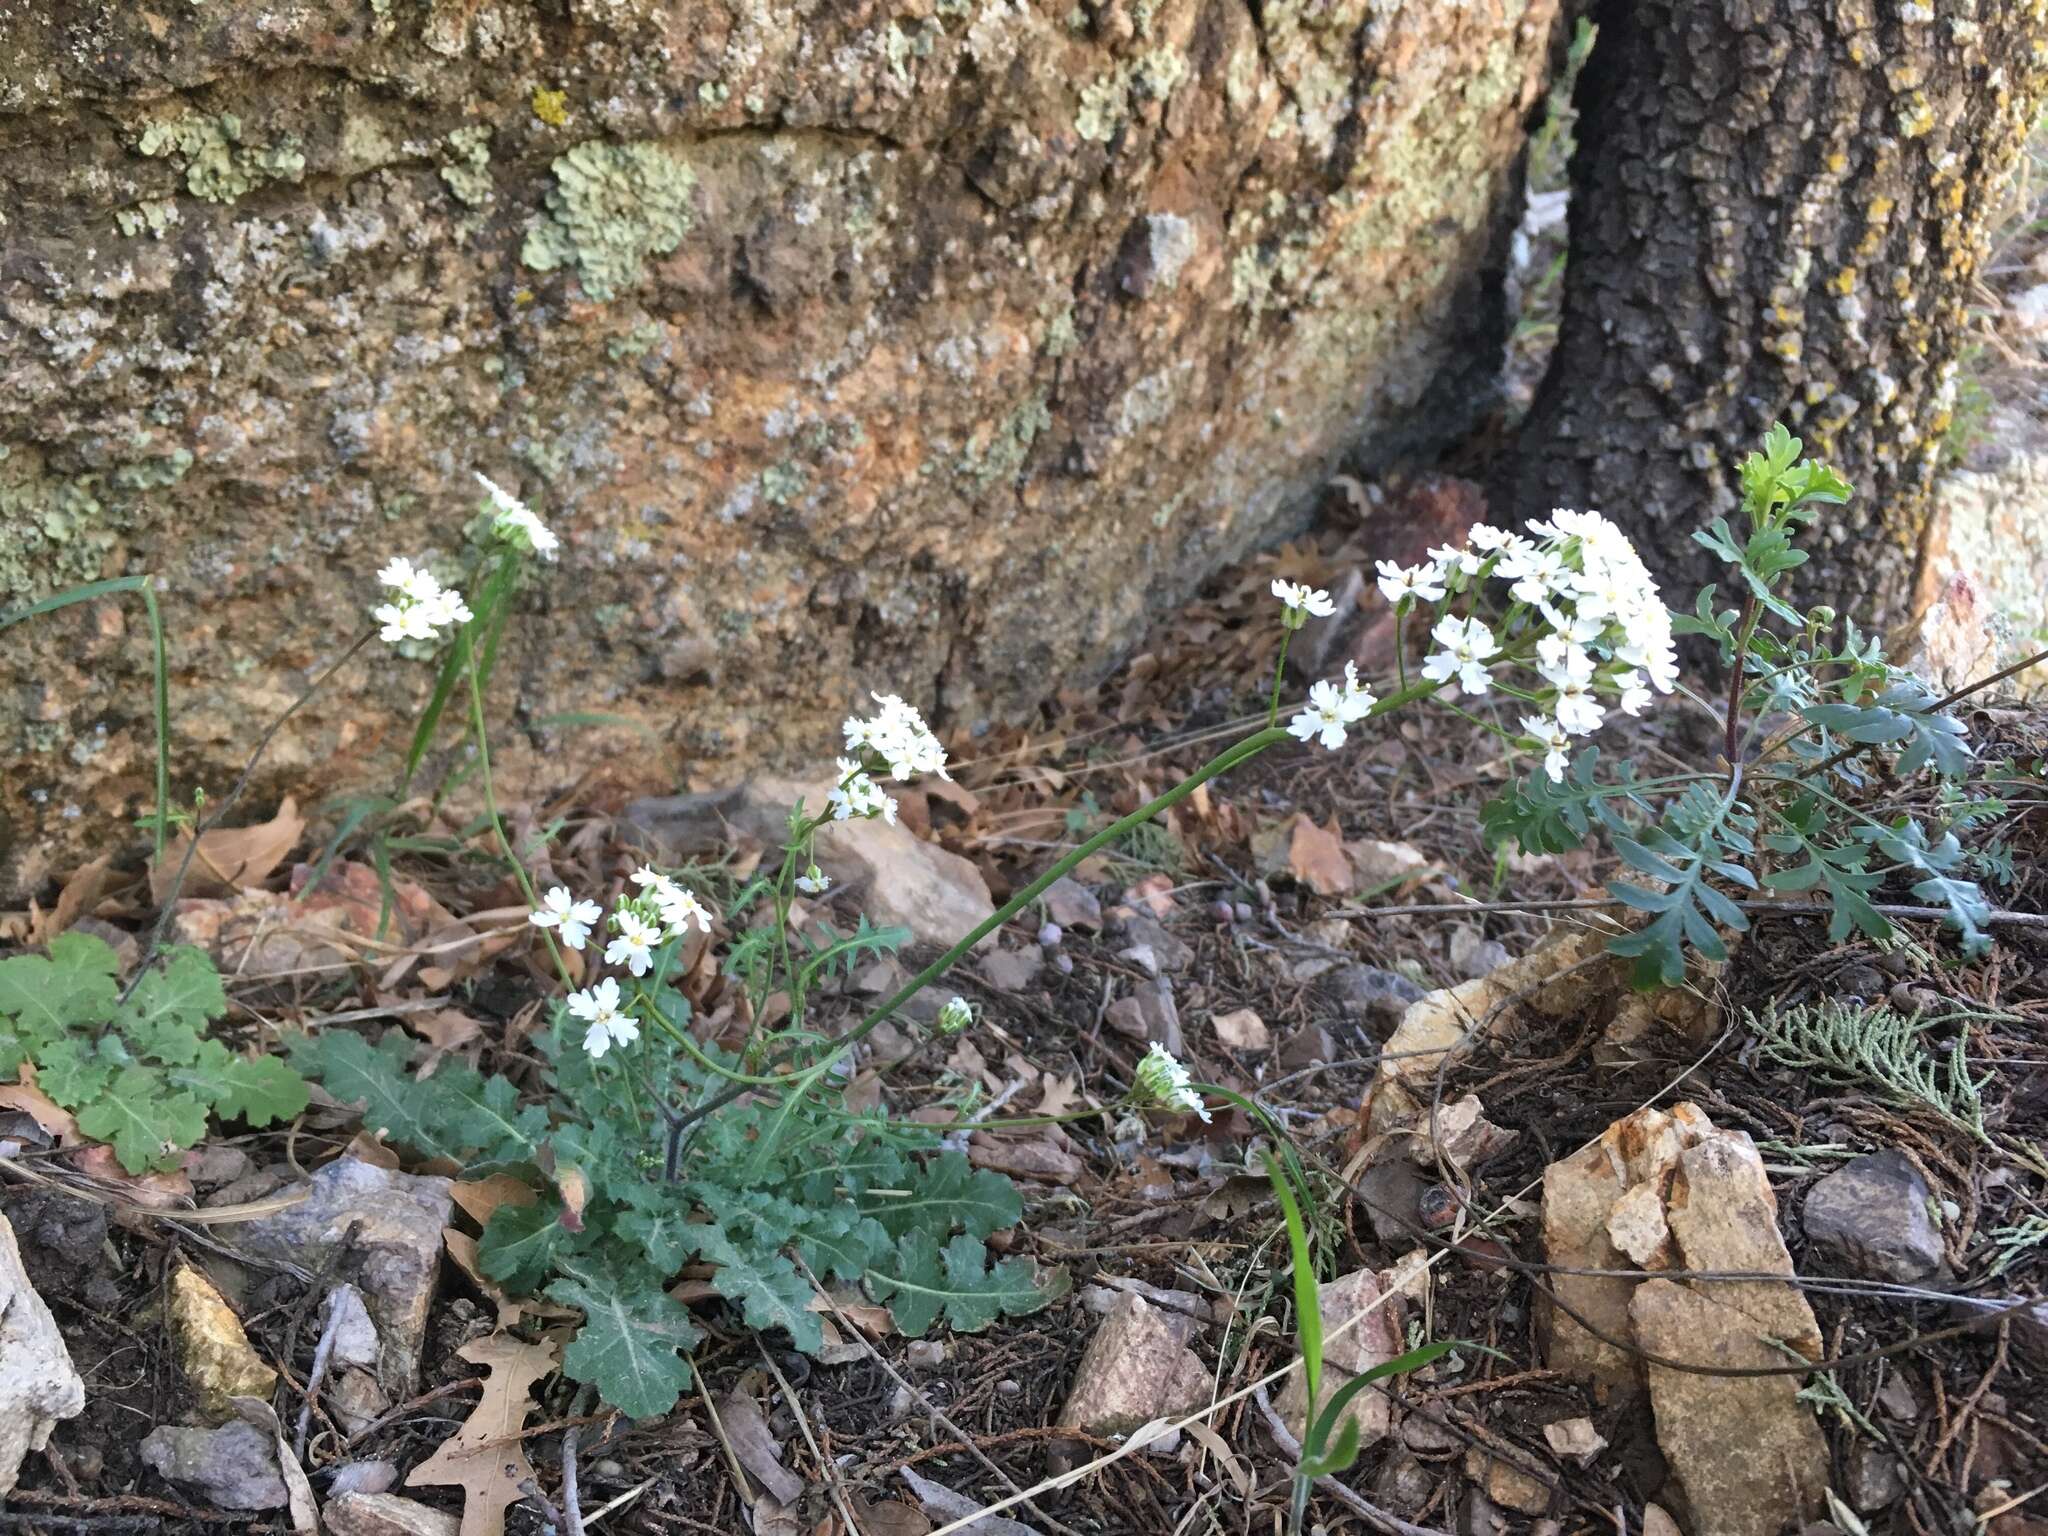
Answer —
(1778, 212)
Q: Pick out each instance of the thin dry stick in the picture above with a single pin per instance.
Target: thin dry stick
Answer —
(1128, 1448)
(826, 1469)
(322, 1353)
(1366, 1510)
(2000, 918)
(1017, 1495)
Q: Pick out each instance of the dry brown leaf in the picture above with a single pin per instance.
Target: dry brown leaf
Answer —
(1060, 1095)
(479, 1197)
(158, 1191)
(484, 1456)
(462, 1248)
(747, 1433)
(80, 893)
(25, 1096)
(445, 1028)
(1024, 1158)
(1156, 892)
(1315, 857)
(228, 858)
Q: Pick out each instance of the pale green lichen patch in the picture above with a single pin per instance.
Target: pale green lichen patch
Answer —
(612, 207)
(1107, 101)
(1000, 455)
(152, 217)
(467, 168)
(218, 166)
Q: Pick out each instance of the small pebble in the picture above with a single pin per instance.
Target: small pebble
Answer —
(1049, 936)
(609, 1470)
(1224, 912)
(926, 1353)
(902, 1403)
(1063, 963)
(1008, 1388)
(1242, 911)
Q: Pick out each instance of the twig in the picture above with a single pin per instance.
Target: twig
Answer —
(1018, 1495)
(826, 1469)
(1364, 1508)
(551, 1517)
(572, 1505)
(322, 1353)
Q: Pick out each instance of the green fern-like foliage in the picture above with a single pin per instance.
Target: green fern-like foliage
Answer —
(860, 1201)
(1877, 1050)
(141, 1075)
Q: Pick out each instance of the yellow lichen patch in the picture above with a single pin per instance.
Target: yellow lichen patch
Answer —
(551, 107)
(1843, 282)
(212, 1348)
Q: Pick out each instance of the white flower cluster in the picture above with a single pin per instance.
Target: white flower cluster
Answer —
(894, 738)
(663, 910)
(954, 1017)
(1579, 591)
(516, 523)
(1163, 1082)
(1332, 709)
(420, 606)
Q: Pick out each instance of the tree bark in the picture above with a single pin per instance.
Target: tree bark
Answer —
(1778, 212)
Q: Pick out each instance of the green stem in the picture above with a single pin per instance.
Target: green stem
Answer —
(1279, 672)
(483, 757)
(1242, 752)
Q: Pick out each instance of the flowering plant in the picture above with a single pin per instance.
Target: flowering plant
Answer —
(650, 1147)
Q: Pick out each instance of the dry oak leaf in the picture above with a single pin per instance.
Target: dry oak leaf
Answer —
(1316, 857)
(484, 1456)
(228, 858)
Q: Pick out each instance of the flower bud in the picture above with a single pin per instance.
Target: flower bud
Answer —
(954, 1017)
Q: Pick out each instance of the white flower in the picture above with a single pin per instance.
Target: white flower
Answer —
(408, 580)
(899, 737)
(516, 523)
(814, 881)
(1303, 602)
(1464, 561)
(954, 1017)
(1164, 1082)
(1551, 736)
(1537, 573)
(857, 797)
(1635, 698)
(421, 608)
(598, 1007)
(634, 946)
(1486, 536)
(1358, 699)
(680, 908)
(1423, 582)
(573, 918)
(1331, 708)
(1467, 643)
(1323, 717)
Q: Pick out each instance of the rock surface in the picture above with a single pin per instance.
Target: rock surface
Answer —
(38, 1385)
(1660, 1191)
(1743, 1449)
(1364, 1305)
(1871, 1217)
(847, 346)
(386, 1514)
(1136, 1368)
(213, 1349)
(379, 1229)
(234, 1465)
(896, 876)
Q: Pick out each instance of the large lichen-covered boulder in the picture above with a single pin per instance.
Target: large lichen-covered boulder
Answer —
(927, 346)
